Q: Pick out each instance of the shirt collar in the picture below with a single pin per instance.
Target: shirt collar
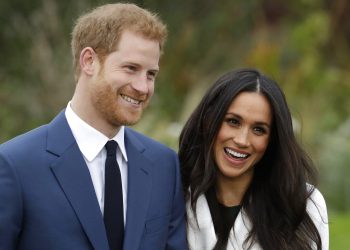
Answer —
(91, 141)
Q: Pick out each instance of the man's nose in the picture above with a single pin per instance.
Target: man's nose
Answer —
(141, 83)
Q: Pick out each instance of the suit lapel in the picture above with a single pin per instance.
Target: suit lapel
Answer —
(139, 191)
(74, 178)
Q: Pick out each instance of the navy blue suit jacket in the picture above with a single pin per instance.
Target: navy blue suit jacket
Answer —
(47, 199)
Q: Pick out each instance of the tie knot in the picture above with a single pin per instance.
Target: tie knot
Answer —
(111, 147)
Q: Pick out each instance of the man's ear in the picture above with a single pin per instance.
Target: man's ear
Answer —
(88, 61)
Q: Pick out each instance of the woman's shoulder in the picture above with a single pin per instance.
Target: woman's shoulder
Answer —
(315, 199)
(317, 210)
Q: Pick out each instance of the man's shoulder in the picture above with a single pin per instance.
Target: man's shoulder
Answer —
(31, 139)
(144, 139)
(27, 139)
(146, 142)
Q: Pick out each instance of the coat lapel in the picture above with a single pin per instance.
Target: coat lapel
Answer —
(240, 232)
(74, 178)
(201, 235)
(139, 191)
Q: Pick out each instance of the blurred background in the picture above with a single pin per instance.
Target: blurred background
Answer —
(303, 44)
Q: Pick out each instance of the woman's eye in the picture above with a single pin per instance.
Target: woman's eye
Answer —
(259, 130)
(233, 121)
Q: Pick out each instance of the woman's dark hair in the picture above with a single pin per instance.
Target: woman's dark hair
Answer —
(275, 201)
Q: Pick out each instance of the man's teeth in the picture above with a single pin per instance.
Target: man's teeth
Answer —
(129, 99)
(235, 154)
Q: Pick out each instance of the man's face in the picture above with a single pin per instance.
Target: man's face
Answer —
(122, 88)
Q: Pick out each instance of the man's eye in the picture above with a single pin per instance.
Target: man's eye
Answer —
(130, 68)
(151, 75)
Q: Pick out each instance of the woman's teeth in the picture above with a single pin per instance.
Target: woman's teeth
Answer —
(235, 154)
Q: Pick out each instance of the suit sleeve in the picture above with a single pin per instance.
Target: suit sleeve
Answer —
(10, 205)
(177, 231)
(317, 210)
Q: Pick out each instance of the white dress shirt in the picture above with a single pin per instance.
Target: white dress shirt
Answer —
(91, 143)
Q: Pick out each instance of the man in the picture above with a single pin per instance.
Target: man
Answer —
(53, 180)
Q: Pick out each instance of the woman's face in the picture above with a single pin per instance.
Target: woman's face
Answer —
(243, 137)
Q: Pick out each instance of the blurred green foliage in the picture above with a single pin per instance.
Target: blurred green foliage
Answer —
(339, 231)
(304, 45)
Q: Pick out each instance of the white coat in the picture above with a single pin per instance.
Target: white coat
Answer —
(202, 236)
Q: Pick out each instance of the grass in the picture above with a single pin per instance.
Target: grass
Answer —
(339, 231)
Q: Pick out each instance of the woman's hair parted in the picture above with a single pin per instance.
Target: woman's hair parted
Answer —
(102, 28)
(275, 201)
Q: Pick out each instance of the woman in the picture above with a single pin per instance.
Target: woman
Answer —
(246, 179)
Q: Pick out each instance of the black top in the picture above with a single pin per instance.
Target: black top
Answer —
(229, 215)
(223, 217)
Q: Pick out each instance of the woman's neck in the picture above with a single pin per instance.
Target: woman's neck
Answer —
(230, 192)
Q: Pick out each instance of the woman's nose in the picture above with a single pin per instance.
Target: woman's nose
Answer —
(241, 138)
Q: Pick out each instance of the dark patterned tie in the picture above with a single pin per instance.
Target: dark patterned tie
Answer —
(113, 205)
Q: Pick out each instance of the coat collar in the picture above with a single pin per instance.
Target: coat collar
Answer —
(139, 189)
(74, 178)
(70, 166)
(202, 235)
